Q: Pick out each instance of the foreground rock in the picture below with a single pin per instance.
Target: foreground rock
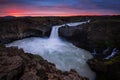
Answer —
(17, 65)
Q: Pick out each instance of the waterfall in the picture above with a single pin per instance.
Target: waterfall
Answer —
(54, 33)
(63, 54)
(114, 52)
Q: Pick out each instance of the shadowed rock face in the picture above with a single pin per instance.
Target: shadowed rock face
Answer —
(106, 69)
(14, 29)
(17, 28)
(98, 34)
(76, 35)
(17, 65)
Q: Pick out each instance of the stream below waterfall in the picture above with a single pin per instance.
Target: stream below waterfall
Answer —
(63, 54)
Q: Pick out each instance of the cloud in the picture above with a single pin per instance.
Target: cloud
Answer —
(79, 4)
(108, 4)
(37, 7)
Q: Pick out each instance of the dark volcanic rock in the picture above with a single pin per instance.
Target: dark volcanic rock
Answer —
(98, 34)
(17, 65)
(75, 35)
(103, 34)
(106, 69)
(11, 30)
(17, 28)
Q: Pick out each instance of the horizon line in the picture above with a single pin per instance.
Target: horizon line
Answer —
(59, 16)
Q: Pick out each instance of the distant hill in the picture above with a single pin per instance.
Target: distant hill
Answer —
(9, 17)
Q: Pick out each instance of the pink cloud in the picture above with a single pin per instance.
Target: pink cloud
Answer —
(59, 10)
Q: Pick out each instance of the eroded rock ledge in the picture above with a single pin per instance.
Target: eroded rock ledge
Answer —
(17, 65)
(106, 69)
(23, 27)
(98, 34)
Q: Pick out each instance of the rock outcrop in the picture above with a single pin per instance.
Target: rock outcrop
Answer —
(75, 35)
(18, 28)
(106, 69)
(98, 34)
(17, 65)
(22, 27)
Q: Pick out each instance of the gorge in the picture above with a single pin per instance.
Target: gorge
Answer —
(100, 36)
(63, 54)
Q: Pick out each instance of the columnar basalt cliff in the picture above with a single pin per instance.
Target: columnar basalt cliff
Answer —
(17, 65)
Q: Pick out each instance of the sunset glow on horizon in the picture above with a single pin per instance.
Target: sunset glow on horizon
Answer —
(58, 7)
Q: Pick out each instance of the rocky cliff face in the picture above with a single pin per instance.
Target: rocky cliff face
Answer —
(106, 69)
(98, 34)
(17, 65)
(17, 28)
(12, 29)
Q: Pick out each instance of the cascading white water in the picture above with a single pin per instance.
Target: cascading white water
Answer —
(63, 54)
(54, 32)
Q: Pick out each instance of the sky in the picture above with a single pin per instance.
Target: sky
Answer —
(59, 7)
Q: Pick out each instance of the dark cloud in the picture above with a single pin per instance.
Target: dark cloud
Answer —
(108, 6)
(12, 1)
(80, 4)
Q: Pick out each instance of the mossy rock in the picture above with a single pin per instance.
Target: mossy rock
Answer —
(115, 59)
(38, 57)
